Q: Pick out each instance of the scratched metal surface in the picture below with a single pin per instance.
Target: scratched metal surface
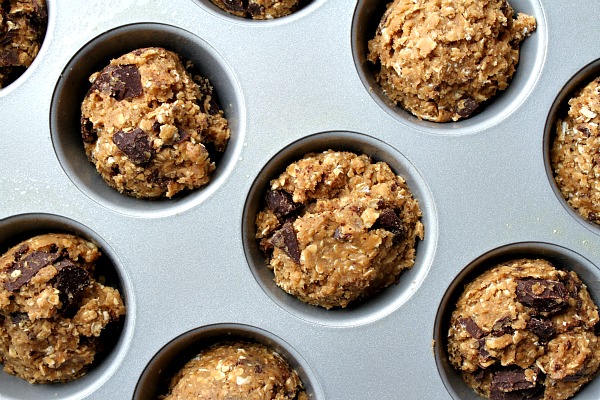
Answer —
(189, 269)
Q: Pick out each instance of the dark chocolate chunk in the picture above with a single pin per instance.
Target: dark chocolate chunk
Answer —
(155, 178)
(156, 127)
(9, 58)
(389, 220)
(183, 135)
(543, 328)
(281, 203)
(502, 327)
(119, 81)
(542, 295)
(234, 5)
(255, 9)
(88, 132)
(593, 217)
(341, 236)
(479, 375)
(17, 317)
(511, 380)
(28, 267)
(285, 239)
(536, 393)
(472, 328)
(468, 107)
(20, 251)
(483, 353)
(136, 145)
(576, 376)
(71, 278)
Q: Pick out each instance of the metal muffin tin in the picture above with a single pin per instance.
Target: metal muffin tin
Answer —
(189, 269)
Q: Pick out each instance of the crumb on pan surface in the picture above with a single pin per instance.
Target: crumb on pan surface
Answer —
(575, 152)
(442, 59)
(525, 330)
(150, 127)
(237, 370)
(53, 308)
(338, 228)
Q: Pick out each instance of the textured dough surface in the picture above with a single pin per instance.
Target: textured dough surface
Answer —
(237, 370)
(525, 330)
(22, 29)
(441, 59)
(338, 227)
(575, 153)
(259, 9)
(53, 309)
(148, 125)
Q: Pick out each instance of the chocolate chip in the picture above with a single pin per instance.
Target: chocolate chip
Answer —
(119, 81)
(341, 236)
(183, 135)
(479, 375)
(157, 179)
(467, 107)
(502, 327)
(28, 267)
(389, 220)
(17, 317)
(88, 132)
(285, 239)
(255, 9)
(136, 145)
(544, 296)
(156, 127)
(541, 327)
(281, 203)
(511, 380)
(20, 251)
(234, 5)
(258, 369)
(472, 328)
(483, 353)
(536, 393)
(592, 217)
(71, 278)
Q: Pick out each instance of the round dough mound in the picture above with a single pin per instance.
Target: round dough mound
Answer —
(525, 329)
(146, 124)
(440, 59)
(22, 29)
(338, 228)
(575, 153)
(238, 370)
(259, 9)
(52, 308)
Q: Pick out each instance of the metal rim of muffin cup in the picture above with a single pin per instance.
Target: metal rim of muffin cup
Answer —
(305, 7)
(532, 58)
(50, 7)
(382, 303)
(65, 113)
(560, 257)
(155, 378)
(559, 109)
(17, 228)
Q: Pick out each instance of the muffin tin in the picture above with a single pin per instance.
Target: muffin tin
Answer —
(189, 269)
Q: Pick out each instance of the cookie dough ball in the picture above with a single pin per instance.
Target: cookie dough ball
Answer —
(53, 309)
(338, 228)
(148, 125)
(22, 29)
(441, 60)
(525, 330)
(259, 9)
(575, 153)
(238, 370)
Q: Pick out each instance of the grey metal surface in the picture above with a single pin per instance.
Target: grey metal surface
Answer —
(189, 264)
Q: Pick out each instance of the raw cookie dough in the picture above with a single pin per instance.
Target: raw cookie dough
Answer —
(575, 153)
(22, 29)
(338, 228)
(259, 9)
(53, 309)
(441, 60)
(525, 330)
(237, 370)
(147, 125)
